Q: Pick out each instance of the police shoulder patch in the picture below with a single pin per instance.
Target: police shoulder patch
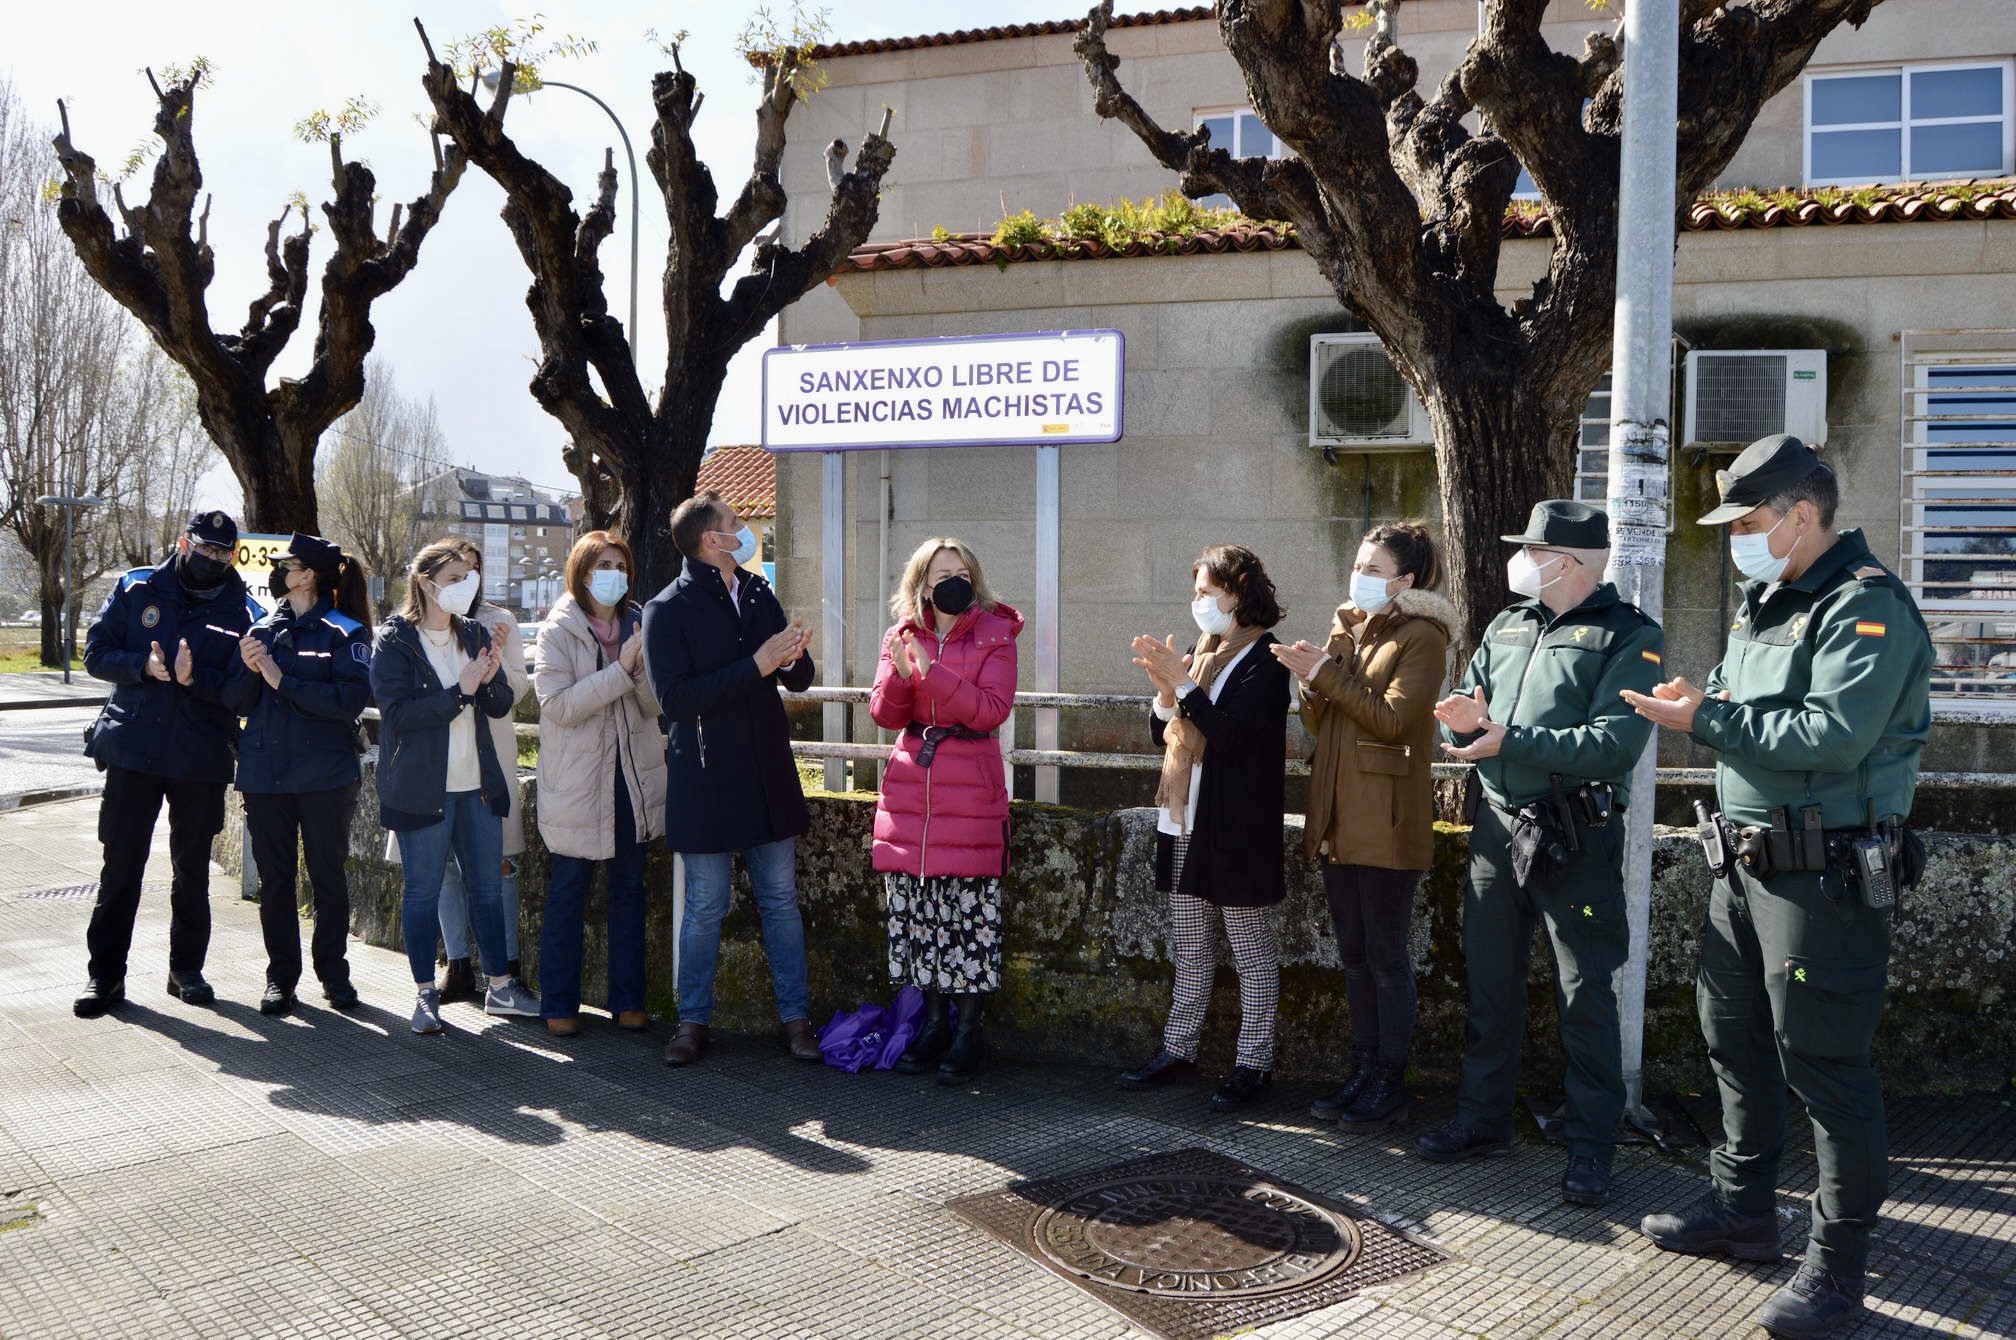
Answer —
(150, 616)
(360, 652)
(342, 623)
(135, 577)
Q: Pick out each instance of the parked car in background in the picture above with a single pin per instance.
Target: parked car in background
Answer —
(528, 635)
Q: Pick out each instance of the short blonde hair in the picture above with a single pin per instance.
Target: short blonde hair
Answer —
(908, 602)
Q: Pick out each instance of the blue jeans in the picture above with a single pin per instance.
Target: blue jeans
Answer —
(773, 876)
(455, 909)
(476, 836)
(560, 934)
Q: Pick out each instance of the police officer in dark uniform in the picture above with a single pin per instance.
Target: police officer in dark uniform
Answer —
(1817, 712)
(165, 639)
(1539, 713)
(301, 677)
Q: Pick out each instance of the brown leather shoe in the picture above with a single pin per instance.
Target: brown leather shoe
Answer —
(685, 1048)
(564, 1028)
(801, 1041)
(633, 1021)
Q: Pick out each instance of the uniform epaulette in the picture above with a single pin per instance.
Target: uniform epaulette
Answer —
(343, 623)
(134, 577)
(1873, 572)
(256, 610)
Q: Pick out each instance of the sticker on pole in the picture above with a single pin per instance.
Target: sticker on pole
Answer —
(1045, 388)
(1637, 546)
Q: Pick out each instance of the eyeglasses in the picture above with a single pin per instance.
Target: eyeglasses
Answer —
(216, 551)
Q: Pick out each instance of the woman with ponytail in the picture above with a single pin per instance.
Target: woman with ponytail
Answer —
(302, 677)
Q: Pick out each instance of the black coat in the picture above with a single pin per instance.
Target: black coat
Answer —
(302, 736)
(163, 727)
(415, 710)
(1235, 844)
(731, 782)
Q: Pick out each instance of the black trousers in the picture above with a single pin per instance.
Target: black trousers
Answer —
(321, 822)
(1372, 909)
(126, 815)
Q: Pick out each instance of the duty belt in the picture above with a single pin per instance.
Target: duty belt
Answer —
(931, 735)
(1778, 848)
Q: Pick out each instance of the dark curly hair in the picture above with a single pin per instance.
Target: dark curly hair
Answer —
(1237, 570)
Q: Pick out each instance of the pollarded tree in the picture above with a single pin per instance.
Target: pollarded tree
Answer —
(1401, 204)
(637, 455)
(160, 270)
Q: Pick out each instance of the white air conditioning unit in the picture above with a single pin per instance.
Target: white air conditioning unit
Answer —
(1735, 396)
(1357, 402)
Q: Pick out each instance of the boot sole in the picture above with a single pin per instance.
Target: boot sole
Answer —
(274, 1010)
(1742, 1251)
(1806, 1332)
(1473, 1152)
(1585, 1198)
(1397, 1117)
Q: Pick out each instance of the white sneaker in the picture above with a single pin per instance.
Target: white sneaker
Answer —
(512, 1000)
(427, 1011)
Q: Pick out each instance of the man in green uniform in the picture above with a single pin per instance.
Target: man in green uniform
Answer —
(1541, 714)
(1818, 712)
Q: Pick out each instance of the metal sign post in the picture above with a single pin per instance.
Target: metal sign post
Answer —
(1640, 433)
(1047, 516)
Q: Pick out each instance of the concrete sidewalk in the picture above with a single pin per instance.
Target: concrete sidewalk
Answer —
(175, 1171)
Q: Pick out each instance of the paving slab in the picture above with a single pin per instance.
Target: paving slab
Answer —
(171, 1171)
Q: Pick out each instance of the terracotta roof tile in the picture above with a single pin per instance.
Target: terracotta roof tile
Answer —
(745, 476)
(1722, 211)
(1046, 28)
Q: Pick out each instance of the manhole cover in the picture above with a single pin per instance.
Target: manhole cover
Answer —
(74, 891)
(1193, 1244)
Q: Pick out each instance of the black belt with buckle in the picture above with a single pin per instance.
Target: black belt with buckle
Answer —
(931, 735)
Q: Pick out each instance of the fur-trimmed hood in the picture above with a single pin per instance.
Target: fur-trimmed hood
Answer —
(1414, 603)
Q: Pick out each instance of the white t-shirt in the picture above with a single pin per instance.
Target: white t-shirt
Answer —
(465, 770)
(1165, 822)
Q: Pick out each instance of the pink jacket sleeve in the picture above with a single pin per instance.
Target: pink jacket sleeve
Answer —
(981, 703)
(892, 703)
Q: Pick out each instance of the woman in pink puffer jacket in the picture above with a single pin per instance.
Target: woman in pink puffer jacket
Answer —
(946, 682)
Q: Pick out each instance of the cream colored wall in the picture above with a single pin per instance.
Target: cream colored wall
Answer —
(1216, 438)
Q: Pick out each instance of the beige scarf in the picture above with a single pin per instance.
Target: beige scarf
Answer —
(1183, 743)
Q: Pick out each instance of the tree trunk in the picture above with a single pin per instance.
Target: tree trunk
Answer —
(54, 597)
(650, 482)
(278, 478)
(1498, 450)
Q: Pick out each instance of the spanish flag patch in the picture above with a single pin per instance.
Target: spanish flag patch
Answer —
(1652, 656)
(1867, 628)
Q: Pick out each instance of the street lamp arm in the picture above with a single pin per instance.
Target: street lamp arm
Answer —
(628, 153)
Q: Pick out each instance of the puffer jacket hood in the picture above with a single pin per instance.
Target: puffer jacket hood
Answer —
(594, 717)
(952, 818)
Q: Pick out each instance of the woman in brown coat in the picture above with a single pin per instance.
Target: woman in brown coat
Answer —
(1368, 697)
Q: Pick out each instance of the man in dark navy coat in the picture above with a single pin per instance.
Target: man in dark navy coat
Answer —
(717, 647)
(165, 640)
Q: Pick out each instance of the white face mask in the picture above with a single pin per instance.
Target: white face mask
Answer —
(1523, 575)
(608, 585)
(459, 597)
(1753, 557)
(1368, 593)
(1211, 620)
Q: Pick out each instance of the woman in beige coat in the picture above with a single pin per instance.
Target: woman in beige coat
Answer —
(1368, 696)
(601, 778)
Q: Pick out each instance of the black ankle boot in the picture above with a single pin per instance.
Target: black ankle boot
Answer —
(458, 982)
(928, 1047)
(962, 1059)
(1380, 1104)
(1329, 1108)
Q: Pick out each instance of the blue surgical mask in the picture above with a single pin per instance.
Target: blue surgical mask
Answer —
(1368, 593)
(745, 545)
(1753, 557)
(608, 585)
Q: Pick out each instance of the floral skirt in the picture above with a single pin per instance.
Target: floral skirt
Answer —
(944, 932)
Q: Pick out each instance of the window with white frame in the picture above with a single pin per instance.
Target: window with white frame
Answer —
(1910, 123)
(1959, 540)
(1244, 134)
(1592, 448)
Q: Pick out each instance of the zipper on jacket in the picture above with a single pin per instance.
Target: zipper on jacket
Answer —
(1527, 673)
(924, 845)
(700, 738)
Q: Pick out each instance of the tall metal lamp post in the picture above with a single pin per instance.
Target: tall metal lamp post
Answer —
(68, 617)
(490, 80)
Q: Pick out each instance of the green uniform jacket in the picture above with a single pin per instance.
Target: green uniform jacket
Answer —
(1829, 683)
(1556, 681)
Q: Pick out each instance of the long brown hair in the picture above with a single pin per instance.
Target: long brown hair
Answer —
(908, 602)
(583, 557)
(426, 563)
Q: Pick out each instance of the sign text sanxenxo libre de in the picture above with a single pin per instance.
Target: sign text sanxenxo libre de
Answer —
(1044, 388)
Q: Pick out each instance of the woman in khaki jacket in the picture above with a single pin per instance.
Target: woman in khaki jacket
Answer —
(1368, 696)
(601, 778)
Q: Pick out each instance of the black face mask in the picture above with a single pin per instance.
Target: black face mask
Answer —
(204, 571)
(952, 596)
(277, 583)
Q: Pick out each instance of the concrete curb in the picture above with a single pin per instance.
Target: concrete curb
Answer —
(21, 799)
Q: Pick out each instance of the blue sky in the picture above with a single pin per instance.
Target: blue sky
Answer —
(457, 328)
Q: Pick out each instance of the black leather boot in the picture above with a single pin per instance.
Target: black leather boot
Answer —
(100, 995)
(1331, 1107)
(962, 1058)
(1710, 1228)
(458, 982)
(1815, 1302)
(1381, 1103)
(190, 988)
(928, 1047)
